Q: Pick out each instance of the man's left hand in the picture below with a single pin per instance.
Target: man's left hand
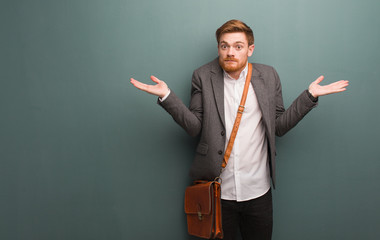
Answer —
(318, 90)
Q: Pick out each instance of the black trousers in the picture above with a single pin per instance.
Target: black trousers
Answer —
(254, 218)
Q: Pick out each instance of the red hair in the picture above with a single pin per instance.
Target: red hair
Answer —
(235, 26)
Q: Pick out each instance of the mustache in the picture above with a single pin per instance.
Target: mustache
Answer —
(231, 59)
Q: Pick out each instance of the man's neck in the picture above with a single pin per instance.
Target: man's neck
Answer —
(236, 74)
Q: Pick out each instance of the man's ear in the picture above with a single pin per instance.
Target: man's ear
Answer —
(250, 49)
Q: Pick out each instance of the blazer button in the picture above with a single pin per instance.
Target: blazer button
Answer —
(222, 133)
(220, 152)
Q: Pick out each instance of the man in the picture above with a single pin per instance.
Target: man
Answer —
(215, 96)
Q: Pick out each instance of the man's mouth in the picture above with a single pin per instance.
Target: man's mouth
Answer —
(230, 60)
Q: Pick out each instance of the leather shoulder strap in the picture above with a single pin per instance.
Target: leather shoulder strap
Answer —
(238, 117)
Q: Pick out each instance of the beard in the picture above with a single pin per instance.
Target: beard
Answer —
(231, 67)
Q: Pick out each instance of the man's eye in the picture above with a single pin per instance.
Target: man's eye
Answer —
(224, 46)
(239, 47)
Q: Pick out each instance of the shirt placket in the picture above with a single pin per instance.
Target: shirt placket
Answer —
(237, 143)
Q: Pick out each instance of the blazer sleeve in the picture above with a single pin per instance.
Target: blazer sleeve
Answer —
(289, 118)
(189, 118)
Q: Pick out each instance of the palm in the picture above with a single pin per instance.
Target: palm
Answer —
(318, 90)
(160, 89)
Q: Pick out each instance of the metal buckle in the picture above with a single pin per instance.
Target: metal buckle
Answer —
(200, 216)
(218, 179)
(199, 212)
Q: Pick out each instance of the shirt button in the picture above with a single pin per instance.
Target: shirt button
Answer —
(222, 133)
(220, 152)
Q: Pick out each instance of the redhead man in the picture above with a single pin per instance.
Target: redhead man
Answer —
(215, 96)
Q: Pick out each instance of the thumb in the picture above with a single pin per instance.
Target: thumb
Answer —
(319, 79)
(154, 79)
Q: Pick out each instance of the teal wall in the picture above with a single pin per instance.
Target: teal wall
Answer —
(84, 155)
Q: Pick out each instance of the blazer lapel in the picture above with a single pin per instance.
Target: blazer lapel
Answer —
(258, 84)
(218, 88)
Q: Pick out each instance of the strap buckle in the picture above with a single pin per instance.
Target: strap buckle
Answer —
(241, 109)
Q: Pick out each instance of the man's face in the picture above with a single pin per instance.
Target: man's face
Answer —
(233, 51)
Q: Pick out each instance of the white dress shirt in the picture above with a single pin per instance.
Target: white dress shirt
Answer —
(247, 174)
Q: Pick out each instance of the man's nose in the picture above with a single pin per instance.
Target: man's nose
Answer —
(231, 52)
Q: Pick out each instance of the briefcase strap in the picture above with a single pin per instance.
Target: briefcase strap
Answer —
(238, 117)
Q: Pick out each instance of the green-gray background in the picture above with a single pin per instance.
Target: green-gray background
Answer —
(84, 155)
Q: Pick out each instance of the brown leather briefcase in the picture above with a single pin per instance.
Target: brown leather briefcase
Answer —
(203, 209)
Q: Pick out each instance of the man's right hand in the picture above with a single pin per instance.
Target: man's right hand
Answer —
(160, 89)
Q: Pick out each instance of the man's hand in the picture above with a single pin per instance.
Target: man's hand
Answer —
(160, 89)
(317, 90)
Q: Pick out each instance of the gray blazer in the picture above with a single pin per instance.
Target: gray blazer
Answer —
(205, 115)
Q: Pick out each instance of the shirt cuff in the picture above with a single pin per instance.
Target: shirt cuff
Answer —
(165, 97)
(312, 98)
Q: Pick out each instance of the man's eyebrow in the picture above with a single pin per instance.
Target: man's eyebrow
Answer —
(232, 43)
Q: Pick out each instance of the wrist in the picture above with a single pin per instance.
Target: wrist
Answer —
(312, 96)
(312, 93)
(163, 97)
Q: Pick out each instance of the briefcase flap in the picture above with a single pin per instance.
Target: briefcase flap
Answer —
(198, 198)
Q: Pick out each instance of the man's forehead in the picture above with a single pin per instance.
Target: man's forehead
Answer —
(231, 38)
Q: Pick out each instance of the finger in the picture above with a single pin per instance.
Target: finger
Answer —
(339, 84)
(340, 90)
(134, 81)
(154, 79)
(139, 85)
(344, 82)
(319, 79)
